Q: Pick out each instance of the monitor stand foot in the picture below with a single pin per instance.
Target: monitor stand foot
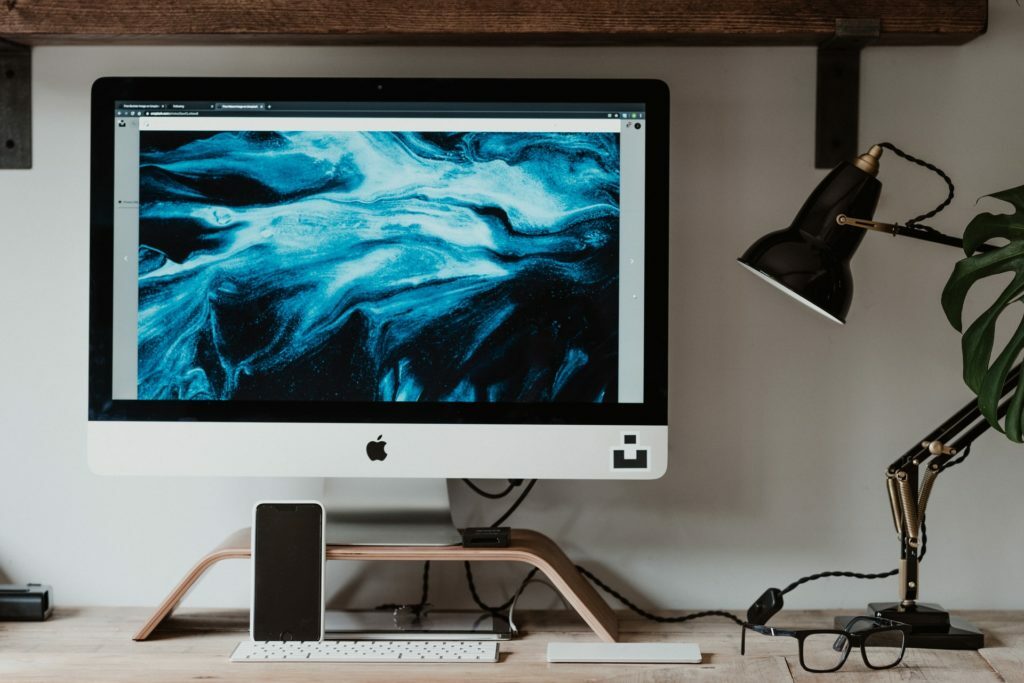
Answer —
(389, 512)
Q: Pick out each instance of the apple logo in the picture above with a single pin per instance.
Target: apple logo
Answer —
(375, 449)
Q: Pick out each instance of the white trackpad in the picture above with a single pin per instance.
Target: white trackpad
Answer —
(626, 653)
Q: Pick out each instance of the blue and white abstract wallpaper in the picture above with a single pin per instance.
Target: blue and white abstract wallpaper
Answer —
(379, 266)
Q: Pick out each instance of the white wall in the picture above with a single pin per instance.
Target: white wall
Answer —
(782, 422)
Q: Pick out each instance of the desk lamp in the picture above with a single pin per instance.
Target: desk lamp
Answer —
(810, 261)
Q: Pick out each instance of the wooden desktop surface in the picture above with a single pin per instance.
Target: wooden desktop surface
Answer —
(94, 644)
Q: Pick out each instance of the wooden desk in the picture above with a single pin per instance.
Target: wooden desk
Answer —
(94, 644)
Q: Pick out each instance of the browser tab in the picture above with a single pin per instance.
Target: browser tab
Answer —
(240, 106)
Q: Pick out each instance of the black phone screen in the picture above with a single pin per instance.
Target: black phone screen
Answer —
(288, 568)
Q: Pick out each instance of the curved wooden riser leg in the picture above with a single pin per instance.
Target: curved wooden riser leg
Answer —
(526, 546)
(561, 571)
(235, 546)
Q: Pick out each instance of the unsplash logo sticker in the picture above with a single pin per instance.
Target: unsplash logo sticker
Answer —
(630, 456)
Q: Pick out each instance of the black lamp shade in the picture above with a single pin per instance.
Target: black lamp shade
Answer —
(810, 260)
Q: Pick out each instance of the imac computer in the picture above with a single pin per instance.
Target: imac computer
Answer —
(406, 280)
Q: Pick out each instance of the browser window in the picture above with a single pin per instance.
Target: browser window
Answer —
(449, 252)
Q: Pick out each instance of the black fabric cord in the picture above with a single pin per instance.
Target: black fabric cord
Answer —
(424, 595)
(849, 575)
(942, 468)
(469, 569)
(515, 505)
(892, 572)
(648, 615)
(487, 494)
(956, 461)
(501, 609)
(915, 223)
(924, 538)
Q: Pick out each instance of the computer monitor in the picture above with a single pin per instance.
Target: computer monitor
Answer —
(354, 278)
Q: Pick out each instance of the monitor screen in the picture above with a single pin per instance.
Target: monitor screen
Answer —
(472, 252)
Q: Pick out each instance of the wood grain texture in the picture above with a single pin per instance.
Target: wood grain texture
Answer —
(91, 644)
(487, 22)
(526, 546)
(1005, 651)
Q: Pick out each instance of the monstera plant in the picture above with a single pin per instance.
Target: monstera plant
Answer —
(985, 376)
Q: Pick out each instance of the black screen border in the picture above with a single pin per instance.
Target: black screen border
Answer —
(653, 94)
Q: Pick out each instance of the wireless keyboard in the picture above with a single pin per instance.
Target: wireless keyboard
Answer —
(366, 651)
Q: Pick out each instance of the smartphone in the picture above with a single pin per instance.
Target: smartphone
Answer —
(288, 556)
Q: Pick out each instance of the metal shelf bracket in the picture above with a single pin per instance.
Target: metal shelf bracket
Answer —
(15, 106)
(838, 93)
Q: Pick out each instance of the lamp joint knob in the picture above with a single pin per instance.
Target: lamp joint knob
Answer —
(938, 448)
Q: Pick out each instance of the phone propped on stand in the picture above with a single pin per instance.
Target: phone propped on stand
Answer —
(288, 589)
(288, 554)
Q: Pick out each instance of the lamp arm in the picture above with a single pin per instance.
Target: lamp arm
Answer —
(937, 237)
(909, 499)
(964, 419)
(917, 231)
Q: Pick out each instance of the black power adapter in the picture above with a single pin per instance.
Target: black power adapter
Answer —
(25, 602)
(486, 537)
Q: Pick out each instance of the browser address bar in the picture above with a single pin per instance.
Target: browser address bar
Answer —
(306, 123)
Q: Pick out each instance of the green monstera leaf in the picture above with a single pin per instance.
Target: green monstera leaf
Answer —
(984, 376)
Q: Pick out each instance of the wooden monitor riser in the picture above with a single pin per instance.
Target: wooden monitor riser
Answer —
(526, 546)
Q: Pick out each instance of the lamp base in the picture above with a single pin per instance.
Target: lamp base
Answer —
(933, 627)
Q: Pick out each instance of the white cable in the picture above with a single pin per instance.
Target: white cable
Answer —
(515, 599)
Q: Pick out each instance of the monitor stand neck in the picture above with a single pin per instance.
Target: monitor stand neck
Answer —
(392, 512)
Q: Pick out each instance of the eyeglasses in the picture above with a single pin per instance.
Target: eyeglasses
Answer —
(882, 643)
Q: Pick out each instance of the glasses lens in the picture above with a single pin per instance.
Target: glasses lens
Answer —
(883, 648)
(825, 651)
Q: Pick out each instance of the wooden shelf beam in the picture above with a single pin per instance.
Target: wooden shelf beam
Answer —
(486, 22)
(494, 22)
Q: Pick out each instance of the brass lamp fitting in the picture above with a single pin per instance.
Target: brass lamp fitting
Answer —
(868, 161)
